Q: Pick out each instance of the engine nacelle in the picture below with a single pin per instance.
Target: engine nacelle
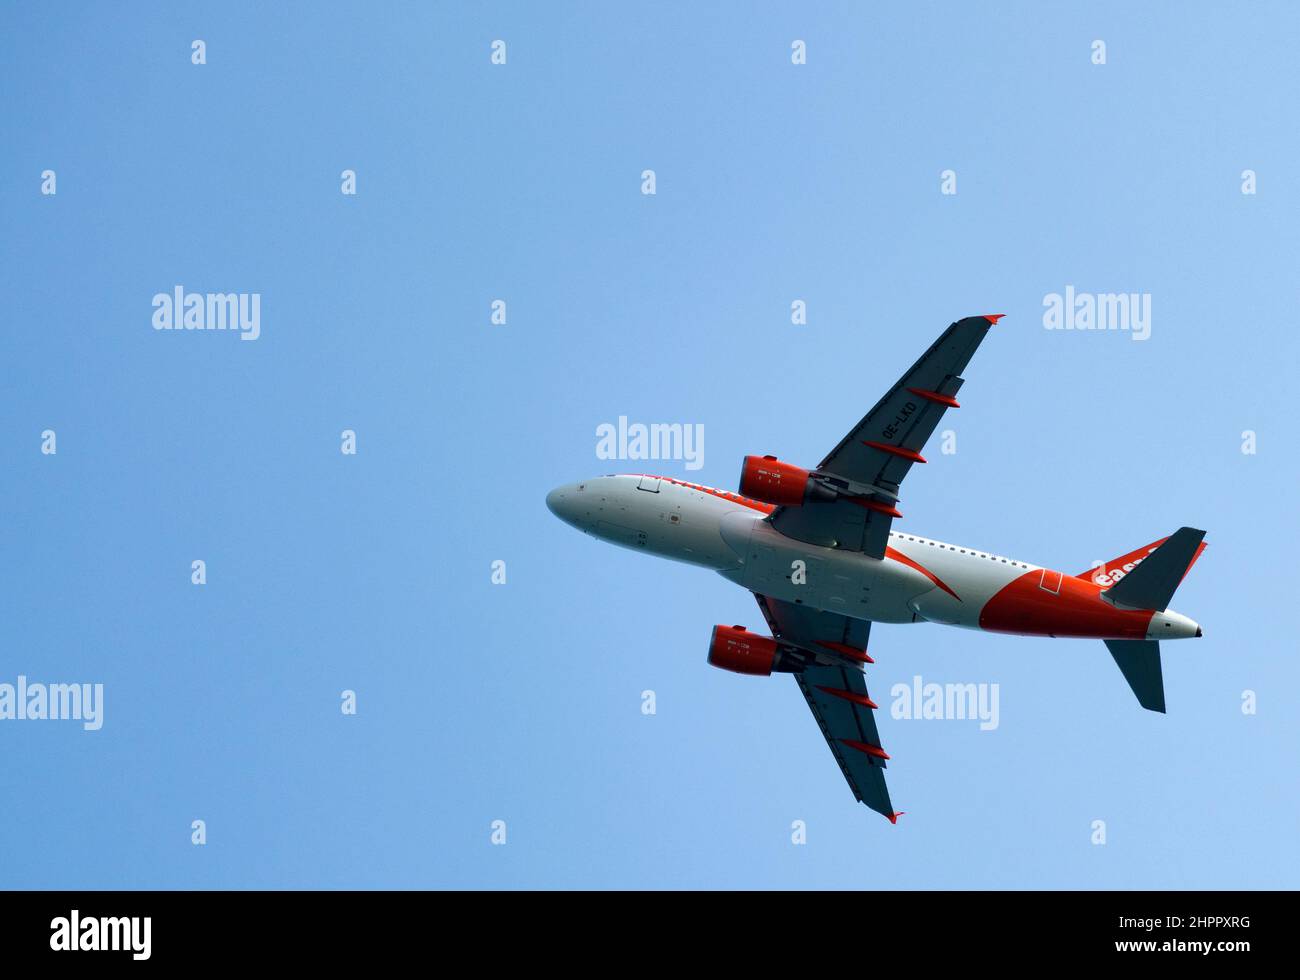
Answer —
(768, 479)
(737, 649)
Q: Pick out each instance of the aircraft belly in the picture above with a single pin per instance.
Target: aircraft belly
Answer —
(845, 582)
(696, 539)
(938, 606)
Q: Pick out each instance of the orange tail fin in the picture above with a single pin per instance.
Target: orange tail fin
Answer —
(1108, 574)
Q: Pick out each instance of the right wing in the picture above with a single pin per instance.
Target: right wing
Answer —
(836, 691)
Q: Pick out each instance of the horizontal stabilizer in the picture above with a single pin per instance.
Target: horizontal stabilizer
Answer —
(1151, 583)
(1139, 661)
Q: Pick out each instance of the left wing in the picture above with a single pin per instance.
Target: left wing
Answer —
(877, 454)
(835, 688)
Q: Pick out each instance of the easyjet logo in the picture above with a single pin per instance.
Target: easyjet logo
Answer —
(1106, 577)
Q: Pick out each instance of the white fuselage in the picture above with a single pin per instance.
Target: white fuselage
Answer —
(917, 580)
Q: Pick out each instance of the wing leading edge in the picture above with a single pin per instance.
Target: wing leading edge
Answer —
(835, 688)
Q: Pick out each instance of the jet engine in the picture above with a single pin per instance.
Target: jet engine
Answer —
(736, 649)
(768, 479)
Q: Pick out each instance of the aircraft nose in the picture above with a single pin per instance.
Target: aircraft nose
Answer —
(561, 503)
(580, 504)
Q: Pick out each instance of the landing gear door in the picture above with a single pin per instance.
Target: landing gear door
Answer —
(650, 483)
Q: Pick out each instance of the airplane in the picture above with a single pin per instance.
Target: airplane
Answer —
(818, 550)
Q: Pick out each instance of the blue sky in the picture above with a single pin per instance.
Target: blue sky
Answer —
(522, 182)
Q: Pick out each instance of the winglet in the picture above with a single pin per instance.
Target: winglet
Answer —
(993, 317)
(893, 817)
